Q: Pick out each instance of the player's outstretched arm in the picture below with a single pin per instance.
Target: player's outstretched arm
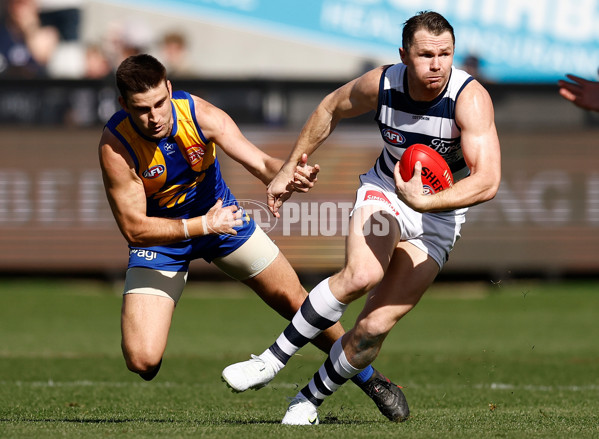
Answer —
(218, 127)
(350, 100)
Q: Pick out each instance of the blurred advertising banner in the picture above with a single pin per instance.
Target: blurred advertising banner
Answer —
(515, 41)
(54, 216)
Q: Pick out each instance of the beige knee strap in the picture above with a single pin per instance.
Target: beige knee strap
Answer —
(155, 282)
(251, 258)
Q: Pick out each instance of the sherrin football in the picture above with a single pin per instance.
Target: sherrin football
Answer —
(436, 175)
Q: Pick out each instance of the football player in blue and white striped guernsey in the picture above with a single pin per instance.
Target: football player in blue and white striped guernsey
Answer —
(426, 100)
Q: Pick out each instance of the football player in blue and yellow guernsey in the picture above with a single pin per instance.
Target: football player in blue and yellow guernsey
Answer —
(169, 199)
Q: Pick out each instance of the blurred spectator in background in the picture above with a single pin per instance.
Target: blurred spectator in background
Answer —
(64, 15)
(125, 38)
(471, 65)
(69, 59)
(581, 92)
(26, 46)
(97, 64)
(174, 55)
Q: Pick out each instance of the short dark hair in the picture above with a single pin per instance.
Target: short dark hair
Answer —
(430, 21)
(138, 74)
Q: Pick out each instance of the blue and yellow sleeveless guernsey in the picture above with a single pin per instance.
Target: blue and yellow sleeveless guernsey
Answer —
(182, 179)
(403, 122)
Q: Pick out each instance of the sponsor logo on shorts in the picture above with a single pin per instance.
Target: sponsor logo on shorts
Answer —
(148, 255)
(154, 172)
(393, 137)
(379, 196)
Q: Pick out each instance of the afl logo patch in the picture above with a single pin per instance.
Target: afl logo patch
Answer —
(154, 171)
(393, 137)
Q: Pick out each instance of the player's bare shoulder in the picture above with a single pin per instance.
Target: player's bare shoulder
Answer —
(108, 145)
(200, 103)
(204, 109)
(368, 84)
(211, 119)
(474, 93)
(474, 105)
(373, 76)
(113, 155)
(357, 96)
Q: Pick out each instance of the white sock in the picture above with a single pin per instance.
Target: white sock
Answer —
(273, 361)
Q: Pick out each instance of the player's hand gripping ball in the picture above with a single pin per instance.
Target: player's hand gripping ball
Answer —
(436, 175)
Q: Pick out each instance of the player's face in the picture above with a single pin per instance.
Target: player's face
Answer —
(429, 64)
(151, 111)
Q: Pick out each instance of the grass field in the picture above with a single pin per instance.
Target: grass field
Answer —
(513, 360)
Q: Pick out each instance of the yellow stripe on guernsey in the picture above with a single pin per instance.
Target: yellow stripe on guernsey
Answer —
(199, 154)
(159, 174)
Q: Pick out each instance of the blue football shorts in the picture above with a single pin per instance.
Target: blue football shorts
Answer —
(177, 256)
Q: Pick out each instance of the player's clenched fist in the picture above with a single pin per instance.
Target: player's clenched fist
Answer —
(305, 175)
(299, 177)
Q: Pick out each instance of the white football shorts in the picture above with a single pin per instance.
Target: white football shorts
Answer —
(433, 233)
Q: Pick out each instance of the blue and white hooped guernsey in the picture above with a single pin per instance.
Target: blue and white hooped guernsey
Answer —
(403, 122)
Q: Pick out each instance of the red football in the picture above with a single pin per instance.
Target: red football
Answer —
(436, 175)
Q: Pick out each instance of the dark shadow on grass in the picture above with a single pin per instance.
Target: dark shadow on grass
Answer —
(248, 422)
(327, 420)
(335, 420)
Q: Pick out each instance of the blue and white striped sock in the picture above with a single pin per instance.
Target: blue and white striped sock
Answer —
(320, 311)
(334, 372)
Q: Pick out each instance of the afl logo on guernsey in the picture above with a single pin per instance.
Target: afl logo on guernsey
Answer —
(393, 137)
(154, 171)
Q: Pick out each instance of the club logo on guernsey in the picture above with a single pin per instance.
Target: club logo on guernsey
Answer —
(154, 171)
(195, 153)
(393, 137)
(379, 196)
(169, 148)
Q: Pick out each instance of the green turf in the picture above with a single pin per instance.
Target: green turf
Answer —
(516, 360)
